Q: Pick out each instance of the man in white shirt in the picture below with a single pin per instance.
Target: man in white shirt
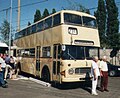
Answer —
(95, 73)
(2, 82)
(104, 74)
(3, 64)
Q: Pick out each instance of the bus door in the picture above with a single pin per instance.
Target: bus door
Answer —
(56, 62)
(38, 60)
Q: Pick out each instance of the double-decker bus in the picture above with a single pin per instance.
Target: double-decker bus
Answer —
(59, 47)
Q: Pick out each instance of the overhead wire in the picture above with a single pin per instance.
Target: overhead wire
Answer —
(23, 5)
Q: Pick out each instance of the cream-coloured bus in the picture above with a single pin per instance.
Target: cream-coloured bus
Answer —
(59, 47)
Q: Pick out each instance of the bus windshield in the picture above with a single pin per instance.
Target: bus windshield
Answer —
(72, 19)
(78, 20)
(90, 22)
(72, 52)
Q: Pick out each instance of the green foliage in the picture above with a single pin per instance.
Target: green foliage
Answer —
(45, 13)
(100, 15)
(78, 7)
(29, 23)
(53, 11)
(112, 23)
(37, 16)
(4, 31)
(108, 24)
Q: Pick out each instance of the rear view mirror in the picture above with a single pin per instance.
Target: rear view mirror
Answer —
(63, 47)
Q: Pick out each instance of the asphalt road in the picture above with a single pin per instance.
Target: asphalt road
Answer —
(29, 89)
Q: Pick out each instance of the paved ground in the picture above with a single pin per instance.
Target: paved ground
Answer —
(29, 89)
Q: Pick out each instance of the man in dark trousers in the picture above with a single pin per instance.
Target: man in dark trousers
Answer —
(2, 82)
(104, 74)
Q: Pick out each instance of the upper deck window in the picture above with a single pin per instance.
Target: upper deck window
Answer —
(40, 26)
(90, 22)
(48, 23)
(56, 20)
(72, 19)
(33, 28)
(21, 33)
(28, 31)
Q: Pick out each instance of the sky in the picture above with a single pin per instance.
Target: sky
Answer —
(28, 11)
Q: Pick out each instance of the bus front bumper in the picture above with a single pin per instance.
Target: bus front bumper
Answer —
(78, 79)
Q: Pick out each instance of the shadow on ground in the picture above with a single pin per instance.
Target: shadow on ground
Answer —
(66, 86)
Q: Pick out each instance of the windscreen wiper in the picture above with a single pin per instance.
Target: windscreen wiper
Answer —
(70, 55)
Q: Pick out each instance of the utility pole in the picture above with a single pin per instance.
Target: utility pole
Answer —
(10, 28)
(18, 20)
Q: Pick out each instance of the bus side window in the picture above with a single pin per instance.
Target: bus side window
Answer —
(23, 32)
(59, 51)
(33, 29)
(46, 51)
(26, 52)
(32, 52)
(54, 52)
(56, 20)
(48, 23)
(58, 67)
(54, 67)
(22, 52)
(28, 31)
(40, 26)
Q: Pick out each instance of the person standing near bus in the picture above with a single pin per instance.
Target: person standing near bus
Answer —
(3, 65)
(2, 82)
(95, 73)
(104, 74)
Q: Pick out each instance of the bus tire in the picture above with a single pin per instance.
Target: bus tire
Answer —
(45, 74)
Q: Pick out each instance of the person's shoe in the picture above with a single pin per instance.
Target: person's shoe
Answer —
(101, 90)
(94, 94)
(5, 82)
(5, 86)
(106, 90)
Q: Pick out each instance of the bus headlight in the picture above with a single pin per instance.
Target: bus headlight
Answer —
(71, 71)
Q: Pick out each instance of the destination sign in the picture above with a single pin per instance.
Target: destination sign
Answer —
(72, 31)
(83, 42)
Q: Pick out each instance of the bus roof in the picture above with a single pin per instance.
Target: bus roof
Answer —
(63, 11)
(3, 44)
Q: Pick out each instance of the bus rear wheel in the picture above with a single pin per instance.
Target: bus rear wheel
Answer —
(45, 75)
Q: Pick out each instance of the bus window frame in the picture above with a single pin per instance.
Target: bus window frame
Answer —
(28, 32)
(33, 29)
(41, 25)
(54, 18)
(48, 22)
(33, 52)
(46, 53)
(80, 17)
(90, 26)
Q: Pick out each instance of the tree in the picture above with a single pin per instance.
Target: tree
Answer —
(29, 23)
(78, 7)
(4, 31)
(112, 23)
(45, 13)
(53, 11)
(37, 16)
(100, 15)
